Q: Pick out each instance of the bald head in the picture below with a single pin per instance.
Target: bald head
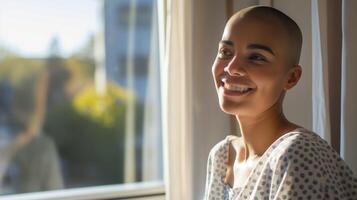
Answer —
(286, 26)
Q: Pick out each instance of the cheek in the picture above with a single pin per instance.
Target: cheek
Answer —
(217, 69)
(271, 84)
(216, 66)
(269, 76)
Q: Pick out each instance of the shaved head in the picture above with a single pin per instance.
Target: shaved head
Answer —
(288, 28)
(257, 61)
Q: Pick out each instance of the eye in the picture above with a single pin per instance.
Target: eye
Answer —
(225, 53)
(257, 57)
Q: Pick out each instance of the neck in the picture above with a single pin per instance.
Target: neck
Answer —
(259, 132)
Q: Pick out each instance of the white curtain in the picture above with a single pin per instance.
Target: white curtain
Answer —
(176, 95)
(334, 95)
(320, 100)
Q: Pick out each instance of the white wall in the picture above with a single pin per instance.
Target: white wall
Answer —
(349, 95)
(298, 102)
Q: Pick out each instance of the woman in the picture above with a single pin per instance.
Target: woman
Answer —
(256, 64)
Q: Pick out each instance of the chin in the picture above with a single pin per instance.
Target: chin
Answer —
(234, 109)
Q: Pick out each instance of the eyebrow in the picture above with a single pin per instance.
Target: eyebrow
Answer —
(262, 47)
(250, 46)
(226, 42)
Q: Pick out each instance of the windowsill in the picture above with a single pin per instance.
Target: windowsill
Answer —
(120, 191)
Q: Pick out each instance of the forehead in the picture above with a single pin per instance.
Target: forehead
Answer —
(244, 31)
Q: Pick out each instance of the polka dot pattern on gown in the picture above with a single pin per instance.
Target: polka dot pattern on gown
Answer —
(299, 165)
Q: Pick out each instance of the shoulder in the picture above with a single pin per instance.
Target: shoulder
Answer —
(306, 151)
(308, 160)
(313, 143)
(221, 149)
(301, 144)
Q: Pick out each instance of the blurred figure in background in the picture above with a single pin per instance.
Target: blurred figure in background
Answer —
(29, 160)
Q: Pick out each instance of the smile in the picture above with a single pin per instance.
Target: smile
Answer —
(231, 88)
(235, 90)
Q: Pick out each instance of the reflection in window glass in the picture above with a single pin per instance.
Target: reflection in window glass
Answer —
(79, 94)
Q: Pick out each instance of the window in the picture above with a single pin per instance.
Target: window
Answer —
(79, 97)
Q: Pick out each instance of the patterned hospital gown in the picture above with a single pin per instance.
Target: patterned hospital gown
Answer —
(298, 165)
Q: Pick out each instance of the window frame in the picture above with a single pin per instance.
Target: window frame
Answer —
(140, 190)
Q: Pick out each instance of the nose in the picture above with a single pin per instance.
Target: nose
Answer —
(235, 67)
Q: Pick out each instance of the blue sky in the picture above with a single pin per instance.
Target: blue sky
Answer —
(27, 26)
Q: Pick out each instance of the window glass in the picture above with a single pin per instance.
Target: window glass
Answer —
(79, 94)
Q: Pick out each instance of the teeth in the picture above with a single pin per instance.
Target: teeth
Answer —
(235, 88)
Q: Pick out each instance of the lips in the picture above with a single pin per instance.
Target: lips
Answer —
(234, 88)
(235, 91)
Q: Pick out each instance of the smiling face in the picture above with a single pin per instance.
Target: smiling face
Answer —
(253, 67)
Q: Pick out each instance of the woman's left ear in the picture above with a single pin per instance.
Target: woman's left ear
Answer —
(294, 75)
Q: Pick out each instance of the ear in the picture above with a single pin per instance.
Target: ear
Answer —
(293, 77)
